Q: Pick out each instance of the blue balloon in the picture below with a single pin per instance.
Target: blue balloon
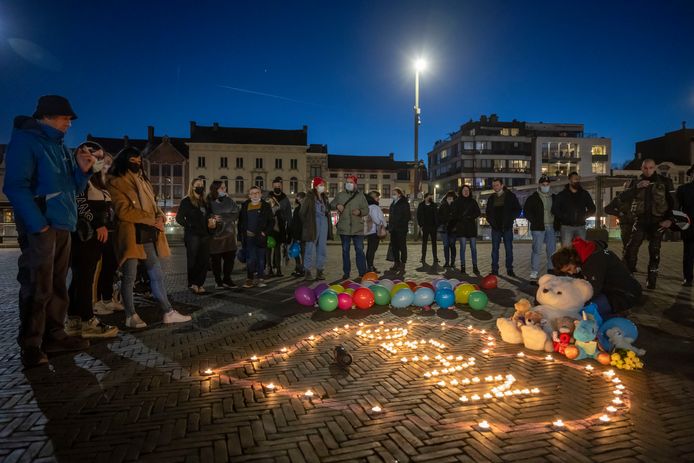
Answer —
(403, 298)
(625, 325)
(423, 297)
(294, 250)
(445, 297)
(443, 284)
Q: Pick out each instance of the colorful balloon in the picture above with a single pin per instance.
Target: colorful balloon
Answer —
(369, 276)
(443, 284)
(304, 296)
(271, 243)
(423, 297)
(445, 297)
(381, 294)
(398, 287)
(318, 290)
(363, 298)
(337, 288)
(386, 283)
(294, 250)
(344, 301)
(354, 286)
(349, 291)
(427, 285)
(411, 284)
(489, 282)
(477, 300)
(403, 298)
(368, 283)
(454, 282)
(462, 292)
(327, 301)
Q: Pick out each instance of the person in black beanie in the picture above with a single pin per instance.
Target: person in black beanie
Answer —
(685, 199)
(284, 218)
(446, 220)
(399, 216)
(502, 210)
(466, 211)
(225, 212)
(426, 219)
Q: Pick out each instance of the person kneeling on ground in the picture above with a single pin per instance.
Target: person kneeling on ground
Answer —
(614, 288)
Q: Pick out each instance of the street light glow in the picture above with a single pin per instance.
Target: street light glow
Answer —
(420, 64)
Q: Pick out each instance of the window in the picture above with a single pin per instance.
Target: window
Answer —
(373, 187)
(178, 192)
(294, 164)
(600, 168)
(373, 176)
(386, 191)
(483, 145)
(499, 165)
(259, 181)
(278, 164)
(515, 132)
(468, 146)
(598, 150)
(505, 132)
(201, 162)
(178, 170)
(258, 163)
(333, 190)
(360, 175)
(315, 171)
(223, 162)
(239, 163)
(443, 154)
(468, 163)
(386, 176)
(333, 175)
(293, 185)
(225, 181)
(154, 170)
(166, 170)
(238, 185)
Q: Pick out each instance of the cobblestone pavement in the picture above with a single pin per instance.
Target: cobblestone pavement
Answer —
(145, 396)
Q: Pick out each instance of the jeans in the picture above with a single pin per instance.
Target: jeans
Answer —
(156, 281)
(398, 239)
(358, 241)
(372, 241)
(473, 250)
(427, 234)
(507, 237)
(568, 233)
(43, 294)
(198, 257)
(688, 259)
(448, 241)
(223, 275)
(549, 239)
(255, 258)
(316, 251)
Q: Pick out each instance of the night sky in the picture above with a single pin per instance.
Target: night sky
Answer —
(624, 69)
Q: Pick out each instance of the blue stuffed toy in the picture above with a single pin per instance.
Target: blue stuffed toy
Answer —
(586, 344)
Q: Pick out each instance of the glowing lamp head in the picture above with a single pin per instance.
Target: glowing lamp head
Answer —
(420, 64)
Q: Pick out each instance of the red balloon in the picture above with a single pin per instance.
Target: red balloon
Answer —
(427, 285)
(411, 284)
(363, 298)
(346, 283)
(489, 282)
(477, 287)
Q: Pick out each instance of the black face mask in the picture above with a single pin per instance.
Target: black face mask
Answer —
(133, 167)
(277, 191)
(199, 190)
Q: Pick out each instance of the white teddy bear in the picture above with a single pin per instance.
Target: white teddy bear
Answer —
(558, 297)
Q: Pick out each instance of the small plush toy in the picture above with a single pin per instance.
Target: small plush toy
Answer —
(522, 307)
(619, 341)
(535, 337)
(586, 345)
(562, 334)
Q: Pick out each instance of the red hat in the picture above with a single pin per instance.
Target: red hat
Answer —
(583, 248)
(353, 178)
(317, 181)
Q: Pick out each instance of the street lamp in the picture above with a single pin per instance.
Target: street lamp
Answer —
(436, 187)
(419, 66)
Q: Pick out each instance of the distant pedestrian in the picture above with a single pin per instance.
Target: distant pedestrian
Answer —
(296, 228)
(223, 245)
(445, 219)
(620, 207)
(283, 217)
(502, 210)
(427, 212)
(376, 228)
(41, 181)
(255, 225)
(466, 211)
(197, 222)
(315, 216)
(538, 211)
(652, 204)
(352, 208)
(685, 200)
(399, 216)
(571, 207)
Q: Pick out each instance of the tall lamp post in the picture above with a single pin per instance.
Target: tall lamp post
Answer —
(419, 66)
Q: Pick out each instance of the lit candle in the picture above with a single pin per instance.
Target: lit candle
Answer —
(549, 358)
(484, 426)
(346, 326)
(534, 390)
(336, 329)
(489, 378)
(590, 367)
(361, 323)
(381, 322)
(409, 322)
(403, 360)
(459, 358)
(475, 397)
(604, 418)
(609, 373)
(254, 358)
(487, 396)
(483, 331)
(209, 371)
(376, 409)
(611, 409)
(454, 382)
(616, 380)
(558, 424)
(520, 354)
(250, 314)
(617, 392)
(308, 394)
(270, 387)
(311, 338)
(466, 381)
(427, 375)
(617, 401)
(464, 398)
(475, 379)
(470, 327)
(485, 351)
(284, 349)
(620, 387)
(441, 383)
(415, 359)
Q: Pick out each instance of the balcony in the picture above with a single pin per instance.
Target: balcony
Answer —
(560, 157)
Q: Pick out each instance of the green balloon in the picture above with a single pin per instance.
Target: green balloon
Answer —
(381, 294)
(477, 300)
(271, 243)
(327, 301)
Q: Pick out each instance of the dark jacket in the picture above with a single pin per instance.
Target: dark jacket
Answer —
(308, 215)
(296, 226)
(399, 215)
(445, 217)
(466, 211)
(571, 209)
(279, 225)
(534, 210)
(224, 233)
(285, 206)
(608, 275)
(94, 210)
(426, 215)
(685, 201)
(38, 164)
(502, 217)
(652, 203)
(193, 219)
(264, 219)
(620, 207)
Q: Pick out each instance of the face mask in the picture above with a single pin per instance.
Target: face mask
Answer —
(199, 190)
(349, 186)
(255, 200)
(221, 194)
(133, 167)
(98, 165)
(544, 189)
(320, 189)
(277, 190)
(396, 197)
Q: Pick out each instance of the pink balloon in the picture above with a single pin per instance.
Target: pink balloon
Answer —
(344, 301)
(304, 296)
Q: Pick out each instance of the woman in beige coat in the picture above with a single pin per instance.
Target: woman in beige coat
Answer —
(139, 234)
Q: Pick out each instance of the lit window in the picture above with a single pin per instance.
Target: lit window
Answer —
(600, 168)
(515, 132)
(598, 150)
(443, 154)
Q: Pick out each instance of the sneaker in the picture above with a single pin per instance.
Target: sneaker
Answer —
(260, 283)
(201, 290)
(462, 270)
(297, 274)
(94, 328)
(33, 357)
(319, 275)
(73, 326)
(533, 276)
(249, 283)
(174, 317)
(135, 322)
(307, 276)
(101, 308)
(115, 306)
(67, 344)
(194, 288)
(219, 286)
(687, 283)
(229, 284)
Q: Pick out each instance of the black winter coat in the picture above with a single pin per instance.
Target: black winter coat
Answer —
(426, 216)
(608, 274)
(685, 201)
(265, 222)
(509, 212)
(399, 215)
(534, 210)
(296, 226)
(572, 208)
(193, 219)
(620, 207)
(465, 214)
(445, 217)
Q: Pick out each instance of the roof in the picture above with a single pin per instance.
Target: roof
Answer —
(247, 136)
(339, 161)
(114, 145)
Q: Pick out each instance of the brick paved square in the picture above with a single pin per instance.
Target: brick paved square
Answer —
(145, 396)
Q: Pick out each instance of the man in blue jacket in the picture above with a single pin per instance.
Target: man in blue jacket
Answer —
(41, 182)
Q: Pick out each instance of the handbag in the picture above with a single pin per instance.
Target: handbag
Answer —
(146, 233)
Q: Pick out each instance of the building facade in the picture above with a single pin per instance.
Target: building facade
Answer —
(676, 147)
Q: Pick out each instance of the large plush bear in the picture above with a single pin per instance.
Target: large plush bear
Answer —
(558, 297)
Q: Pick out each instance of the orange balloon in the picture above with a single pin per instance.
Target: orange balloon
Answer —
(370, 276)
(604, 358)
(363, 298)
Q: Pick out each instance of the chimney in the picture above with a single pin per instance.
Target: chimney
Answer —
(150, 133)
(215, 126)
(192, 127)
(483, 119)
(493, 118)
(305, 129)
(684, 125)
